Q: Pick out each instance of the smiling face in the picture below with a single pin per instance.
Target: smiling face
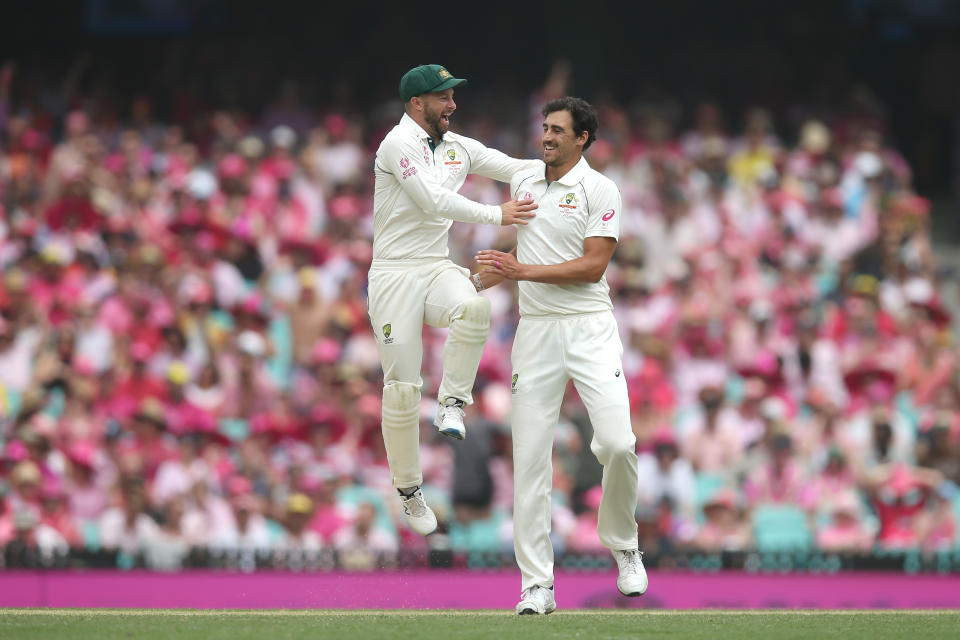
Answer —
(435, 110)
(561, 146)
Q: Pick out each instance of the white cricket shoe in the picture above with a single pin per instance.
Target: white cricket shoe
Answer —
(449, 420)
(632, 580)
(536, 600)
(419, 516)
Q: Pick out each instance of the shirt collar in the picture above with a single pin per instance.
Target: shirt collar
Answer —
(569, 179)
(411, 124)
(575, 174)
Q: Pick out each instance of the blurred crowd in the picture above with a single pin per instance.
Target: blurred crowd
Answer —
(186, 360)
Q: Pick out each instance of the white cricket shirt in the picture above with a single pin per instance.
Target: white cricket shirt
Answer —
(582, 204)
(415, 198)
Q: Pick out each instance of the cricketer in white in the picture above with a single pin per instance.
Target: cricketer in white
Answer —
(567, 331)
(419, 167)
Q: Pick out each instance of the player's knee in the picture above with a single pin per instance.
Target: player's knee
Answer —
(401, 404)
(471, 320)
(475, 310)
(618, 448)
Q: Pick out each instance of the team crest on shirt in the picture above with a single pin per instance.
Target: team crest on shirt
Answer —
(386, 334)
(452, 161)
(569, 203)
(513, 383)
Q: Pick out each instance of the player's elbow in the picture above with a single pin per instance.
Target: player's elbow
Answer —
(595, 273)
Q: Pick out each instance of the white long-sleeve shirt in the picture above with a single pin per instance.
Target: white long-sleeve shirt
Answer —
(415, 198)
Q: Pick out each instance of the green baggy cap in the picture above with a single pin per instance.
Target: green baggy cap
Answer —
(426, 78)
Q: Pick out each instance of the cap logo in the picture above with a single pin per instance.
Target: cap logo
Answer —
(443, 73)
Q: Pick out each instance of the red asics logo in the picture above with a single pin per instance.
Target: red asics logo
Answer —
(608, 214)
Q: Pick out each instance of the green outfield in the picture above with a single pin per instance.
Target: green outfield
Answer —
(100, 624)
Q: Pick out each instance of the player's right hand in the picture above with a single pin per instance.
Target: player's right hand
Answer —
(517, 211)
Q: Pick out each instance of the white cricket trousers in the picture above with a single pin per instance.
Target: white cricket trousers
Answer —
(547, 352)
(402, 296)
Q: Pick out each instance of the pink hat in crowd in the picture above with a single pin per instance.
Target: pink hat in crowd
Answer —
(82, 454)
(141, 351)
(232, 166)
(15, 451)
(238, 485)
(832, 197)
(52, 488)
(664, 437)
(726, 498)
(369, 404)
(242, 229)
(262, 424)
(325, 351)
(593, 497)
(335, 124)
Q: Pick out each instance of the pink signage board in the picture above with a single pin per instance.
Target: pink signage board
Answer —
(469, 590)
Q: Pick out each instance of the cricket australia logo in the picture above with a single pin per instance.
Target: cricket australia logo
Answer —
(569, 203)
(443, 73)
(452, 159)
(513, 383)
(386, 334)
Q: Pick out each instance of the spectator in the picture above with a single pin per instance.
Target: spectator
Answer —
(363, 544)
(846, 531)
(297, 537)
(724, 527)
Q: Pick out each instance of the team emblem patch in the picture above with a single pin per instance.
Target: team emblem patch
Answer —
(452, 160)
(443, 73)
(570, 202)
(513, 383)
(386, 334)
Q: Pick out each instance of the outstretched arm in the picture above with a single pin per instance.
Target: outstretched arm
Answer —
(495, 164)
(406, 162)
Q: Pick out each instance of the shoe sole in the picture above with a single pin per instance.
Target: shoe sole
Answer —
(434, 530)
(452, 434)
(632, 594)
(534, 612)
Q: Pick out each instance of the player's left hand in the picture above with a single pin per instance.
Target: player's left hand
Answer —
(503, 264)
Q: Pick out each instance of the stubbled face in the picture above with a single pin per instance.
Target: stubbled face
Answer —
(560, 143)
(437, 109)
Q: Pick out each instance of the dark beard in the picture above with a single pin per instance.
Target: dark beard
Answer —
(433, 121)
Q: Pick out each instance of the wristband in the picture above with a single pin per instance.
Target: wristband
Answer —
(477, 282)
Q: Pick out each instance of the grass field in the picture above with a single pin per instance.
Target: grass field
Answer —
(142, 624)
